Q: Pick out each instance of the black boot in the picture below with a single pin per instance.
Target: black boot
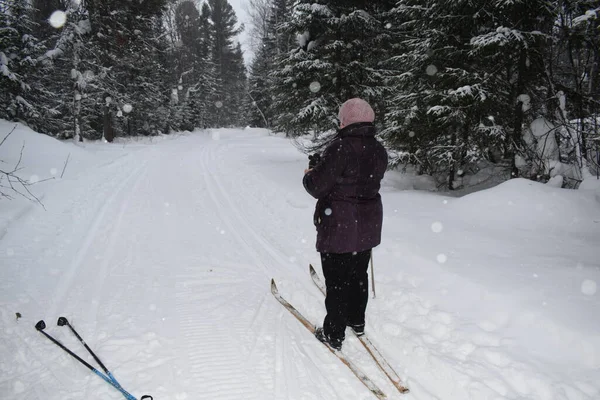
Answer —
(358, 330)
(335, 344)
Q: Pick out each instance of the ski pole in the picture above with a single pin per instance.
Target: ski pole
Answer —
(62, 321)
(373, 275)
(41, 325)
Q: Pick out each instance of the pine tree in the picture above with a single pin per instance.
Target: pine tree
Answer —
(259, 88)
(19, 49)
(126, 38)
(64, 71)
(467, 70)
(273, 45)
(229, 64)
(435, 119)
(337, 59)
(512, 46)
(575, 74)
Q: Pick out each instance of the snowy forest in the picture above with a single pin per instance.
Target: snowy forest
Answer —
(460, 87)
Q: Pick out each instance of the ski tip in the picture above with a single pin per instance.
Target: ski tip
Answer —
(311, 269)
(40, 326)
(273, 286)
(62, 321)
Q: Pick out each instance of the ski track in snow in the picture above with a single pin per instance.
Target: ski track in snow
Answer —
(162, 257)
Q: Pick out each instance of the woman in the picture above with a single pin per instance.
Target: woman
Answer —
(348, 217)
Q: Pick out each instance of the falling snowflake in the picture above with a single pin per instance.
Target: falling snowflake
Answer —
(58, 19)
(431, 70)
(442, 258)
(437, 227)
(219, 104)
(328, 211)
(119, 113)
(589, 287)
(53, 171)
(315, 87)
(411, 134)
(388, 25)
(127, 108)
(34, 179)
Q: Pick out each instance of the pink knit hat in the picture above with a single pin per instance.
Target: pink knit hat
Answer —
(355, 110)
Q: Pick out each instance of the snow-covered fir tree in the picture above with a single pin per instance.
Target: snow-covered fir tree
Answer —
(338, 53)
(275, 42)
(127, 39)
(229, 64)
(575, 73)
(19, 49)
(468, 72)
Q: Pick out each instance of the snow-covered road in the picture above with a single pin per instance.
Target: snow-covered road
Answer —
(161, 256)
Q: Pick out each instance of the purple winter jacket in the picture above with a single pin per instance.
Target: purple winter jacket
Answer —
(346, 182)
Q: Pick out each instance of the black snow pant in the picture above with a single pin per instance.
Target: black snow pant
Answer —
(347, 281)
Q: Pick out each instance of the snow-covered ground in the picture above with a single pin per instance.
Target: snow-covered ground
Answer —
(160, 252)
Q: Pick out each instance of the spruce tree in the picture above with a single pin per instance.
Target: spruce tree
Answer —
(229, 64)
(337, 58)
(126, 38)
(19, 49)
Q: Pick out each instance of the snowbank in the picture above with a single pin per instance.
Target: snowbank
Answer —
(40, 161)
(502, 282)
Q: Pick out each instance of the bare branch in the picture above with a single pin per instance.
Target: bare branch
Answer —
(9, 133)
(65, 167)
(15, 183)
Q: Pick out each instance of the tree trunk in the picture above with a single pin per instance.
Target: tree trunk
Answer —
(517, 134)
(109, 134)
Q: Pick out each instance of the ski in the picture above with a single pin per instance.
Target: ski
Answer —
(355, 370)
(379, 359)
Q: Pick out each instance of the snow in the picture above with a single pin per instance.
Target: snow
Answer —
(315, 87)
(431, 70)
(526, 100)
(437, 227)
(58, 19)
(589, 287)
(160, 252)
(303, 39)
(587, 17)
